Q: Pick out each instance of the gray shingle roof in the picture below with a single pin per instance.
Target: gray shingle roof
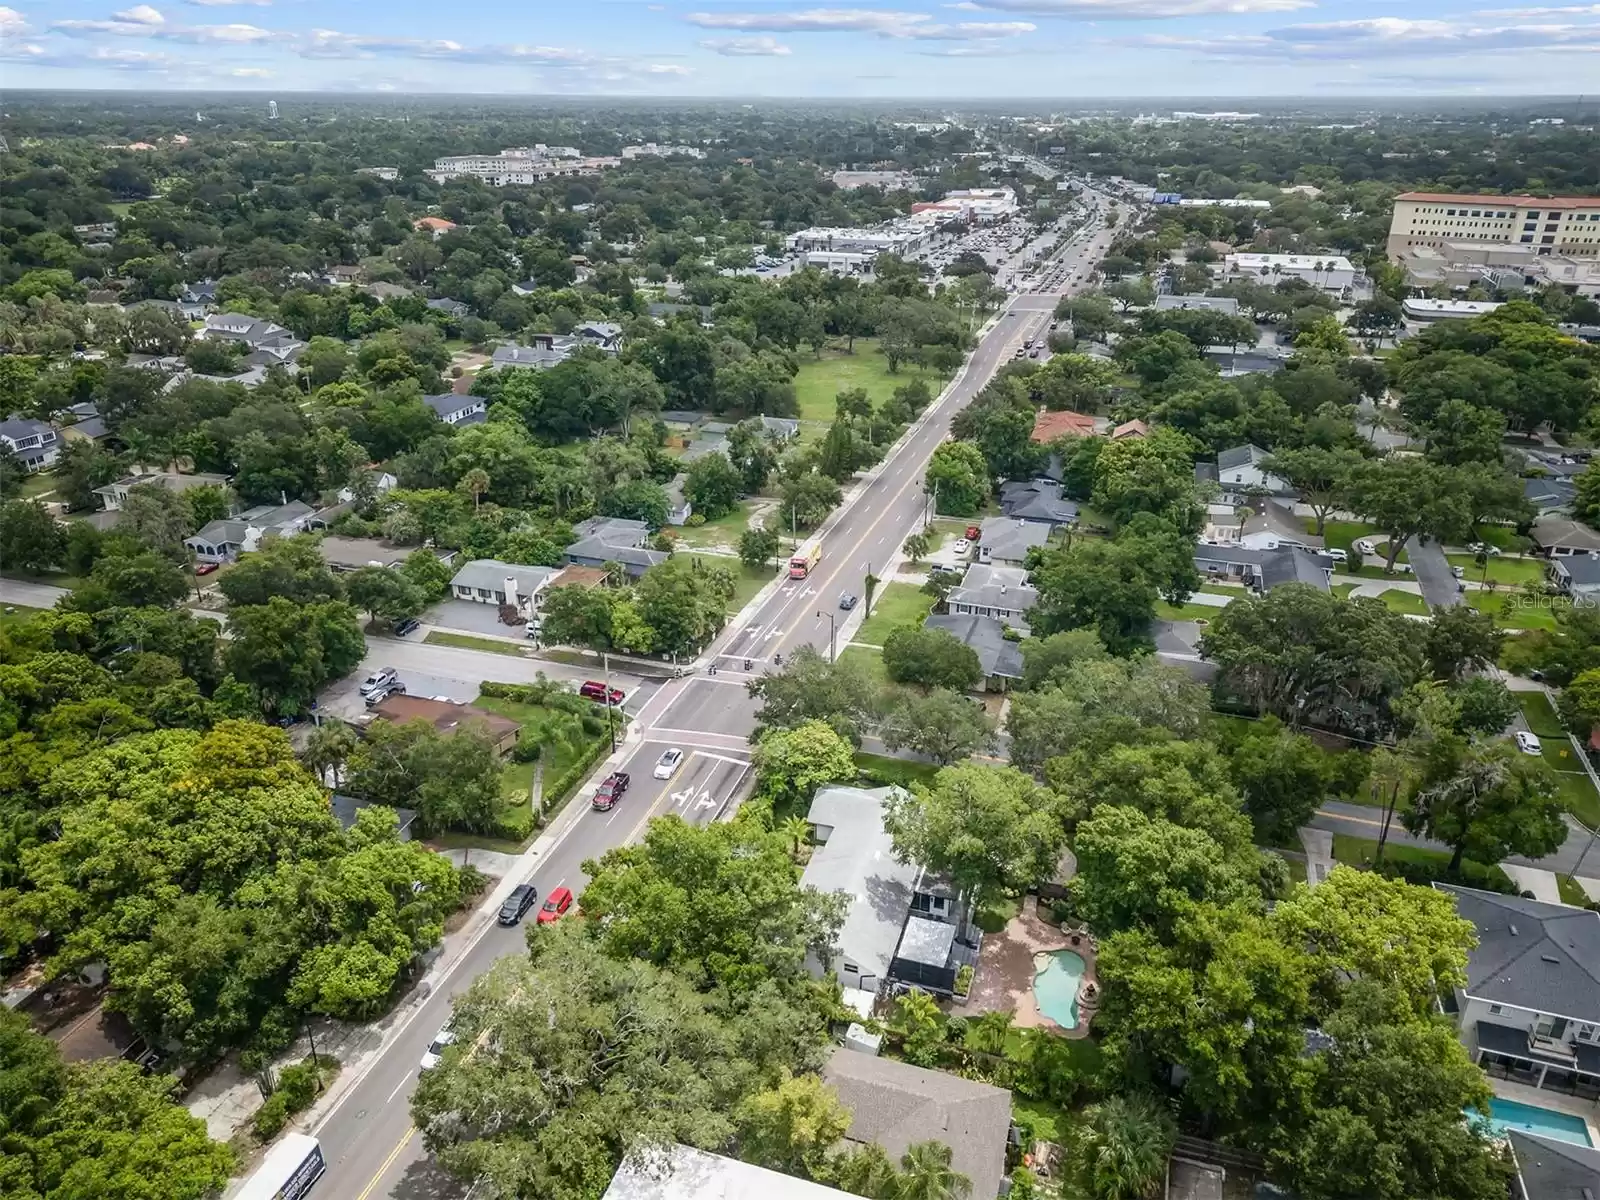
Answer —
(999, 658)
(1532, 955)
(491, 573)
(1553, 530)
(858, 859)
(1581, 570)
(1037, 500)
(1009, 539)
(450, 402)
(896, 1105)
(622, 531)
(1552, 1170)
(597, 551)
(1239, 456)
(988, 586)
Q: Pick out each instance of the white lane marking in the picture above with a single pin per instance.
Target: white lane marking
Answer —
(403, 1081)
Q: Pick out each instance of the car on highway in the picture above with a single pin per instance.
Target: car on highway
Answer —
(555, 905)
(667, 765)
(408, 625)
(518, 903)
(1527, 742)
(432, 1056)
(593, 689)
(961, 548)
(378, 681)
(847, 601)
(611, 790)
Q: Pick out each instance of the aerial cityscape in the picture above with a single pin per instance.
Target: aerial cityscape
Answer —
(691, 608)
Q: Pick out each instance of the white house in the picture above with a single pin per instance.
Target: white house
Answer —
(35, 444)
(113, 495)
(1330, 272)
(224, 540)
(1239, 472)
(457, 409)
(490, 581)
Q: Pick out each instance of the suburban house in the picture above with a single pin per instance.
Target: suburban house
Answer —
(1530, 1011)
(614, 539)
(198, 299)
(1007, 540)
(458, 410)
(453, 309)
(446, 716)
(224, 540)
(903, 922)
(437, 226)
(113, 495)
(490, 581)
(999, 657)
(351, 554)
(1038, 500)
(1240, 474)
(342, 275)
(525, 288)
(269, 343)
(679, 506)
(1548, 1169)
(677, 1172)
(1263, 570)
(1224, 523)
(602, 335)
(1550, 493)
(895, 1105)
(1558, 536)
(783, 429)
(36, 444)
(1273, 525)
(1578, 576)
(1048, 426)
(346, 808)
(989, 591)
(546, 351)
(704, 443)
(87, 423)
(1130, 429)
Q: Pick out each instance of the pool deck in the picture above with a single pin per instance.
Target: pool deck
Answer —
(1556, 1101)
(1003, 981)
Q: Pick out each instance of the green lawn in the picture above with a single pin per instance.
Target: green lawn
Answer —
(1577, 792)
(1512, 610)
(1503, 536)
(823, 378)
(465, 641)
(1541, 715)
(1339, 534)
(883, 770)
(1504, 570)
(894, 605)
(747, 581)
(1403, 602)
(16, 614)
(41, 483)
(1363, 852)
(873, 659)
(1185, 612)
(1048, 1121)
(724, 531)
(535, 720)
(1571, 893)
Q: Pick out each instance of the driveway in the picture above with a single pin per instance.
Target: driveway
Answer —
(1440, 587)
(466, 617)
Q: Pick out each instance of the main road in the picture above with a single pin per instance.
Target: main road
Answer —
(367, 1137)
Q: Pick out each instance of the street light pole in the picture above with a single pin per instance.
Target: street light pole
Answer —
(605, 675)
(832, 630)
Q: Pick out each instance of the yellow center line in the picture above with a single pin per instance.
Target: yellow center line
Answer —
(405, 1141)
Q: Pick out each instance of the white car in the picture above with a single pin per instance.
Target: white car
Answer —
(1527, 743)
(380, 680)
(961, 547)
(435, 1051)
(1337, 554)
(1365, 547)
(667, 765)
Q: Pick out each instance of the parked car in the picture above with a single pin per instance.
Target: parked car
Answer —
(610, 791)
(847, 601)
(409, 625)
(555, 904)
(1459, 572)
(973, 533)
(393, 687)
(518, 903)
(205, 568)
(961, 548)
(1364, 547)
(1484, 548)
(378, 681)
(435, 1051)
(667, 765)
(1337, 554)
(593, 689)
(1527, 742)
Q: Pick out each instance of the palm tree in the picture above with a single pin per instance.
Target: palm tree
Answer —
(926, 1174)
(328, 748)
(1125, 1147)
(475, 482)
(797, 832)
(867, 1171)
(987, 1032)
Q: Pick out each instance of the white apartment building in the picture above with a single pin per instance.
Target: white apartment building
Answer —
(519, 165)
(1554, 225)
(1330, 272)
(651, 150)
(893, 238)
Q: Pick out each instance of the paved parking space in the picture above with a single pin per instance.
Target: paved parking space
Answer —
(466, 617)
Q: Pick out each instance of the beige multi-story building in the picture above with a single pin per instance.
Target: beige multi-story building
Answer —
(1548, 225)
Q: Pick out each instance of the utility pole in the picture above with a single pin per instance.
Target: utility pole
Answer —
(832, 631)
(605, 675)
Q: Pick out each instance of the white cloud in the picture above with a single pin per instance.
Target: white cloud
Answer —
(1573, 10)
(141, 14)
(885, 23)
(747, 47)
(668, 69)
(1137, 10)
(228, 3)
(1386, 37)
(250, 73)
(143, 21)
(12, 23)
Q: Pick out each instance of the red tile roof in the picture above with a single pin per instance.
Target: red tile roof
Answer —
(1134, 428)
(1048, 426)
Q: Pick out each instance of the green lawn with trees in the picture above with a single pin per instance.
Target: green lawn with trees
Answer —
(835, 370)
(893, 605)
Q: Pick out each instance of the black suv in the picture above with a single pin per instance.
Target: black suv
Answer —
(518, 903)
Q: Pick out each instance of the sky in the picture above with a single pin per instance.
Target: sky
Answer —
(956, 49)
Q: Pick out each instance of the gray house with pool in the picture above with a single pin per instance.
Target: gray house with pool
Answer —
(1530, 1012)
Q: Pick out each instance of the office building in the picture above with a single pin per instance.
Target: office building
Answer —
(1553, 225)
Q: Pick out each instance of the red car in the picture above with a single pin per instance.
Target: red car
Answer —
(596, 691)
(555, 905)
(204, 568)
(610, 791)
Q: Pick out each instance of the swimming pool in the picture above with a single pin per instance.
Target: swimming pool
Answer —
(1056, 977)
(1528, 1118)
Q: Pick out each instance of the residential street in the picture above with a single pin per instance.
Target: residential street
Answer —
(1364, 821)
(1440, 588)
